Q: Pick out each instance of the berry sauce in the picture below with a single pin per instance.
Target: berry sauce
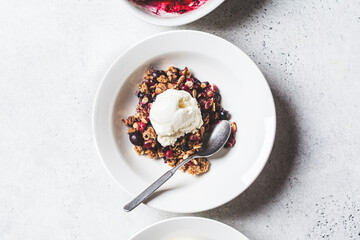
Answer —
(170, 6)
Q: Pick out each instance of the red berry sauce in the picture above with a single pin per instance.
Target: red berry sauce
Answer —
(170, 6)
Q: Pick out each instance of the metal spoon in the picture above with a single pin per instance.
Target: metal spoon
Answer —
(213, 142)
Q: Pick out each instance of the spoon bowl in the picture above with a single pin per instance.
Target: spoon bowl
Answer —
(216, 139)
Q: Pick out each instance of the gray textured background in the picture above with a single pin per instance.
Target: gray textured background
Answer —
(53, 55)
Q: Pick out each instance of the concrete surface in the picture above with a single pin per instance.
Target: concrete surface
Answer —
(53, 55)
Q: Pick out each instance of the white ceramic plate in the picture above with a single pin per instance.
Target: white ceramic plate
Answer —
(245, 93)
(171, 19)
(189, 228)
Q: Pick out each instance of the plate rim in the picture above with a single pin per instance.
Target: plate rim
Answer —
(96, 106)
(184, 218)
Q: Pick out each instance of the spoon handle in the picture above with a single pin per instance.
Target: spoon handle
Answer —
(147, 192)
(153, 187)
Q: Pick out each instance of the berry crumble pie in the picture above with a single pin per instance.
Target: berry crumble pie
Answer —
(142, 133)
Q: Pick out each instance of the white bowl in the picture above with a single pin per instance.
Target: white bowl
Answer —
(189, 228)
(245, 93)
(171, 19)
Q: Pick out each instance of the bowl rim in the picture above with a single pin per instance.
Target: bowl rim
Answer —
(96, 107)
(174, 219)
(171, 21)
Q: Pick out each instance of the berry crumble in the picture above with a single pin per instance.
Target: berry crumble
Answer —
(142, 133)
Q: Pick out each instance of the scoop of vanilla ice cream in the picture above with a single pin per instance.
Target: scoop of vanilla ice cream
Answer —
(174, 114)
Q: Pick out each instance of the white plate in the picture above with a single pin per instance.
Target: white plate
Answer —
(171, 19)
(245, 94)
(189, 228)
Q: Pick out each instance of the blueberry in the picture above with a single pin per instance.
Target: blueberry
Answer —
(224, 115)
(217, 97)
(155, 74)
(136, 138)
(151, 82)
(140, 95)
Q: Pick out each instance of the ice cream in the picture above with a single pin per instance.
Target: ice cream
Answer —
(174, 114)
